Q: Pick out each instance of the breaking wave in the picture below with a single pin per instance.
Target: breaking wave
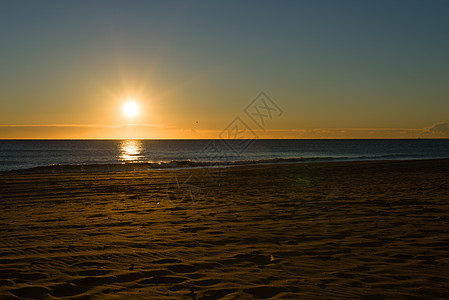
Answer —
(181, 164)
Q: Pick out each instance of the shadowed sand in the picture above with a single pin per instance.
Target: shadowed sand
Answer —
(328, 230)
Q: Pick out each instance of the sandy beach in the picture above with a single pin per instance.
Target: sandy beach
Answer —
(370, 230)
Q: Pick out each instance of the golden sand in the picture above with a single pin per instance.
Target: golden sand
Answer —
(296, 231)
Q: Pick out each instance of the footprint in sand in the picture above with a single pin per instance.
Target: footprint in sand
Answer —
(182, 268)
(31, 276)
(218, 293)
(264, 292)
(67, 290)
(32, 292)
(93, 272)
(163, 279)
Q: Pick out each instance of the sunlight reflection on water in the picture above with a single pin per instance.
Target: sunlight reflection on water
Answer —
(130, 150)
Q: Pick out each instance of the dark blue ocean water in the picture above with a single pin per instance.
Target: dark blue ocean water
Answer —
(154, 154)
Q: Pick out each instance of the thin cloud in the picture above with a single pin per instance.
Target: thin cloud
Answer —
(80, 126)
(440, 128)
(150, 131)
(81, 131)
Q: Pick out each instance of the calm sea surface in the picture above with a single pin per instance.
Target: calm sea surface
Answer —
(155, 154)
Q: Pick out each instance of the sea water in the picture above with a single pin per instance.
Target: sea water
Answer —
(72, 155)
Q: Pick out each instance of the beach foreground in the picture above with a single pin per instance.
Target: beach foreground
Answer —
(327, 230)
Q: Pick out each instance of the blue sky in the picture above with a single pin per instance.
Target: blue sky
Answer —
(194, 65)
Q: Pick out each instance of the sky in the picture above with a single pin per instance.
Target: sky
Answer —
(334, 69)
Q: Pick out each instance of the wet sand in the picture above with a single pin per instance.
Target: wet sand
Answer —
(368, 230)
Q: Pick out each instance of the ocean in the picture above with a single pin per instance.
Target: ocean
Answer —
(116, 155)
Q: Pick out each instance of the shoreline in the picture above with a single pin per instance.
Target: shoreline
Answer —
(147, 166)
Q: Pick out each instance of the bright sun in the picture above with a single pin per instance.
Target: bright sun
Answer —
(130, 109)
